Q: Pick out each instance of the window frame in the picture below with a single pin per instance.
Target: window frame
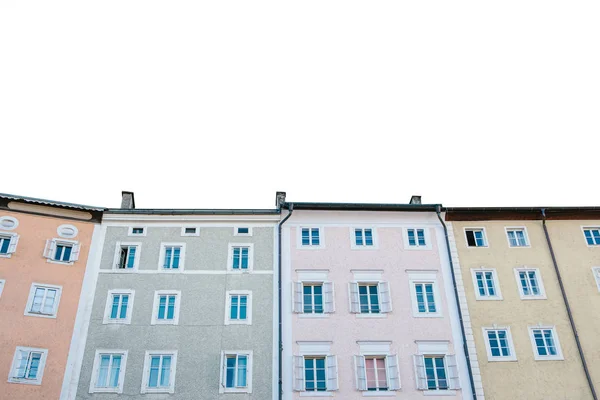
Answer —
(223, 372)
(536, 356)
(108, 307)
(478, 296)
(96, 367)
(41, 366)
(228, 320)
(236, 233)
(75, 250)
(525, 235)
(13, 242)
(363, 246)
(29, 304)
(162, 254)
(156, 304)
(321, 244)
(230, 268)
(184, 234)
(583, 229)
(486, 244)
(146, 372)
(426, 236)
(425, 278)
(488, 348)
(130, 231)
(117, 257)
(540, 282)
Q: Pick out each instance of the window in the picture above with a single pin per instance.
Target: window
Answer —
(499, 345)
(315, 373)
(310, 237)
(415, 238)
(377, 373)
(159, 372)
(61, 251)
(370, 298)
(166, 307)
(425, 298)
(242, 231)
(363, 238)
(517, 237)
(545, 343)
(108, 373)
(436, 372)
(486, 284)
(424, 294)
(172, 257)
(119, 306)
(595, 271)
(236, 375)
(28, 366)
(8, 244)
(530, 283)
(475, 237)
(240, 257)
(137, 231)
(127, 259)
(313, 298)
(190, 231)
(592, 236)
(238, 309)
(43, 300)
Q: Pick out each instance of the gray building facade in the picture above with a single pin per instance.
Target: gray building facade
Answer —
(184, 307)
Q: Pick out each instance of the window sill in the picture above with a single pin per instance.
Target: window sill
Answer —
(439, 392)
(170, 271)
(121, 270)
(106, 390)
(31, 314)
(313, 315)
(366, 315)
(164, 323)
(387, 393)
(549, 358)
(495, 298)
(309, 247)
(541, 297)
(233, 390)
(417, 248)
(160, 390)
(365, 247)
(25, 381)
(116, 322)
(235, 271)
(316, 394)
(229, 322)
(502, 359)
(425, 315)
(5, 255)
(519, 247)
(60, 262)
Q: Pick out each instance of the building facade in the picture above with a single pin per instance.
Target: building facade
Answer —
(368, 304)
(44, 248)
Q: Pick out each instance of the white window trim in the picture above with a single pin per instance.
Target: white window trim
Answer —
(250, 258)
(183, 233)
(12, 236)
(108, 307)
(248, 388)
(63, 229)
(321, 244)
(525, 234)
(478, 296)
(511, 347)
(434, 348)
(130, 231)
(377, 349)
(2, 283)
(35, 285)
(136, 262)
(416, 278)
(317, 349)
(146, 374)
(94, 378)
(426, 234)
(485, 239)
(41, 367)
(368, 282)
(161, 257)
(157, 294)
(536, 356)
(595, 272)
(235, 231)
(353, 244)
(583, 228)
(8, 218)
(542, 295)
(248, 320)
(68, 242)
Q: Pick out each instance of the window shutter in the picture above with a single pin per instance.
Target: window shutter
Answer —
(75, 252)
(297, 297)
(452, 366)
(298, 373)
(354, 299)
(50, 248)
(223, 368)
(12, 247)
(384, 296)
(393, 373)
(328, 297)
(361, 372)
(420, 372)
(332, 373)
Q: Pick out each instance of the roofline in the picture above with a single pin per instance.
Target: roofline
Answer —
(191, 211)
(362, 206)
(52, 203)
(521, 209)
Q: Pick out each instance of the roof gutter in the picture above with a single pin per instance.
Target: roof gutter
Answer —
(280, 301)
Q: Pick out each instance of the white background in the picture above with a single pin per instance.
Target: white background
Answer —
(221, 103)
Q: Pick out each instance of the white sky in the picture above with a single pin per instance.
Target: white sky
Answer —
(221, 103)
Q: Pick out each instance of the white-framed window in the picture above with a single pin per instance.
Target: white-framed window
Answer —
(119, 306)
(127, 256)
(242, 231)
(545, 343)
(376, 368)
(62, 251)
(370, 297)
(436, 370)
(416, 238)
(476, 237)
(592, 236)
(2, 281)
(43, 300)
(108, 373)
(238, 309)
(236, 372)
(28, 365)
(314, 297)
(424, 294)
(517, 237)
(240, 257)
(363, 238)
(166, 307)
(529, 281)
(310, 237)
(190, 231)
(486, 284)
(172, 257)
(137, 231)
(499, 344)
(8, 244)
(315, 373)
(595, 271)
(159, 371)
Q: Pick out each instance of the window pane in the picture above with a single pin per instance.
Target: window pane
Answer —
(162, 304)
(37, 300)
(411, 237)
(67, 253)
(103, 371)
(358, 237)
(171, 308)
(241, 372)
(131, 257)
(114, 373)
(4, 242)
(234, 307)
(243, 306)
(245, 258)
(230, 372)
(154, 366)
(305, 237)
(176, 254)
(236, 257)
(315, 236)
(165, 374)
(124, 303)
(421, 237)
(430, 298)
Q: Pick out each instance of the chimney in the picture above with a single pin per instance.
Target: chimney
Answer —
(127, 201)
(415, 200)
(279, 199)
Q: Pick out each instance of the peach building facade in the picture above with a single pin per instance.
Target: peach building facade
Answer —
(44, 247)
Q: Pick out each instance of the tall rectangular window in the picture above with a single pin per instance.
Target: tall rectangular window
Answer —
(369, 299)
(592, 236)
(425, 298)
(363, 237)
(4, 244)
(119, 305)
(517, 237)
(241, 257)
(63, 252)
(530, 283)
(498, 343)
(109, 371)
(416, 237)
(311, 237)
(166, 307)
(236, 375)
(435, 370)
(313, 298)
(376, 374)
(43, 300)
(127, 257)
(172, 255)
(475, 238)
(485, 283)
(239, 307)
(28, 365)
(159, 371)
(314, 374)
(545, 343)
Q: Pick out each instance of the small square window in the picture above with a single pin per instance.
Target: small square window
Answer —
(137, 231)
(28, 366)
(190, 231)
(236, 372)
(242, 231)
(8, 244)
(166, 307)
(517, 237)
(240, 257)
(530, 283)
(486, 284)
(499, 345)
(159, 372)
(592, 236)
(239, 307)
(119, 306)
(363, 238)
(172, 257)
(475, 237)
(62, 251)
(416, 238)
(545, 343)
(310, 237)
(43, 300)
(108, 373)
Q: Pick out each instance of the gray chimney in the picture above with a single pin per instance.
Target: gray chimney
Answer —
(279, 199)
(127, 200)
(415, 200)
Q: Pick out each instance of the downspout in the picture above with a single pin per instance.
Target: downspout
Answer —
(568, 307)
(460, 316)
(280, 301)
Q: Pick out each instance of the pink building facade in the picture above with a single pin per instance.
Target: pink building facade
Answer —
(368, 305)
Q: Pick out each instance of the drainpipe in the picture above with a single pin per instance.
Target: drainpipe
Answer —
(279, 268)
(568, 307)
(460, 316)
